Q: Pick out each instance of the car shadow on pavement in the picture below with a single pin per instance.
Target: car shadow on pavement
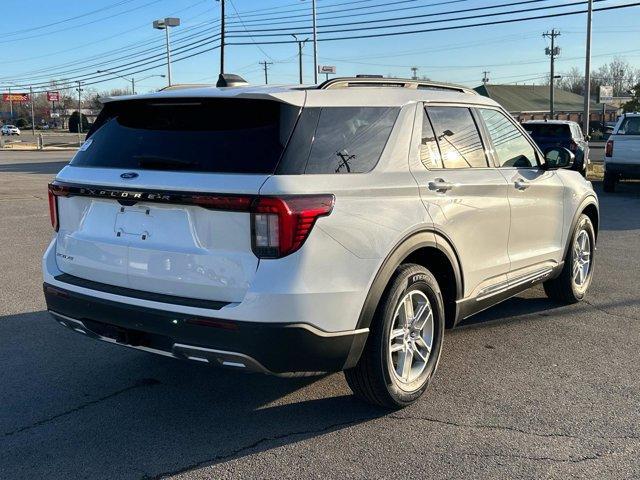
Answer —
(71, 407)
(33, 167)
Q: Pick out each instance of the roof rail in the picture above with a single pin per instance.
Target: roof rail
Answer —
(182, 86)
(376, 81)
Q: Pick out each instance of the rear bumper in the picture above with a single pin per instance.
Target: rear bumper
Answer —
(625, 170)
(276, 348)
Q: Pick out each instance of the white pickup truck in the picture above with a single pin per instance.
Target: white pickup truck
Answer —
(622, 152)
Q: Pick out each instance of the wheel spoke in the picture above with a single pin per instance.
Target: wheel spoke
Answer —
(408, 310)
(404, 364)
(398, 332)
(396, 347)
(419, 323)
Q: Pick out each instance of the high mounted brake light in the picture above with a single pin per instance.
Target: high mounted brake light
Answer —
(280, 225)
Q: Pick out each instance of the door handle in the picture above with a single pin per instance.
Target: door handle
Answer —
(439, 185)
(521, 184)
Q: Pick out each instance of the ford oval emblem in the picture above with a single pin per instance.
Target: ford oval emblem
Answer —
(128, 175)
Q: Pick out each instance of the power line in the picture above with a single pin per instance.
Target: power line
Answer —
(456, 27)
(427, 22)
(195, 45)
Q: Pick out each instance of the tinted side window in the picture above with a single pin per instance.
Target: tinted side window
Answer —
(429, 151)
(458, 137)
(511, 147)
(350, 140)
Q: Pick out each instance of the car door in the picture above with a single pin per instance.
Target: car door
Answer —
(535, 196)
(465, 196)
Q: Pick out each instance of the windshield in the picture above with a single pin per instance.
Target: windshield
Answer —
(197, 135)
(546, 130)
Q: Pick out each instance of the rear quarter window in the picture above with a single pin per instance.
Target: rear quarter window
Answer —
(338, 140)
(630, 126)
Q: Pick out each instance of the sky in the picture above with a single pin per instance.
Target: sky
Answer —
(45, 40)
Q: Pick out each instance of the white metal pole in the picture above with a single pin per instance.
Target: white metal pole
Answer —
(166, 29)
(33, 120)
(10, 105)
(587, 73)
(315, 44)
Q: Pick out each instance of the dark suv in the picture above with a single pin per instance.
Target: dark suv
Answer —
(561, 133)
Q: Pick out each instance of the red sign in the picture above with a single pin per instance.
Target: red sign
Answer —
(15, 97)
(53, 96)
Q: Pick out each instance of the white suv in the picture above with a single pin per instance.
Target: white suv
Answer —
(297, 230)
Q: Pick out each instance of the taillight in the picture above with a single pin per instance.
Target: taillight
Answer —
(280, 225)
(56, 190)
(608, 149)
(53, 210)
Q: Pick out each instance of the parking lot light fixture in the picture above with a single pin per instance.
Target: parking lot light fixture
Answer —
(165, 25)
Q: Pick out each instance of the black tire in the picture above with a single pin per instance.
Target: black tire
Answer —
(609, 182)
(373, 379)
(564, 288)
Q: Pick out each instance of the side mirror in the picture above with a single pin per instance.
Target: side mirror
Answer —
(558, 157)
(587, 138)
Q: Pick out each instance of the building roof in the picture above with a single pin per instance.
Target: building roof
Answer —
(535, 98)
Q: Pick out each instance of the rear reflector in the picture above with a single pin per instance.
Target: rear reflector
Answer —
(280, 225)
(608, 149)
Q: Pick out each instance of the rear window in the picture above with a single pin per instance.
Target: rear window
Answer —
(197, 135)
(630, 126)
(542, 130)
(338, 140)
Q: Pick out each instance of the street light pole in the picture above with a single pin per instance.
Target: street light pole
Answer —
(222, 28)
(587, 73)
(165, 25)
(315, 44)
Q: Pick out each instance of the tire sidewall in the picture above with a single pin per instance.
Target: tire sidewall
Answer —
(584, 223)
(416, 278)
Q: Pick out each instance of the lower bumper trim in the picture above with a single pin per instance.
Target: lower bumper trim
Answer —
(283, 349)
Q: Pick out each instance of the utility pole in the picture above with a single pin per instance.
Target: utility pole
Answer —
(300, 45)
(133, 86)
(553, 52)
(266, 64)
(33, 120)
(79, 113)
(414, 73)
(587, 73)
(485, 77)
(222, 27)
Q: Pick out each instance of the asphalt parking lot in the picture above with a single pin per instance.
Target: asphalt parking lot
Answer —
(527, 389)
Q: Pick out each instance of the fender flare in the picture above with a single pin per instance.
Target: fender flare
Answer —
(588, 200)
(405, 247)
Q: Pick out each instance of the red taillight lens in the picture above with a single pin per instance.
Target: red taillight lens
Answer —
(53, 209)
(280, 225)
(608, 149)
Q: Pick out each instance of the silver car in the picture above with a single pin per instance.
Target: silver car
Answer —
(297, 230)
